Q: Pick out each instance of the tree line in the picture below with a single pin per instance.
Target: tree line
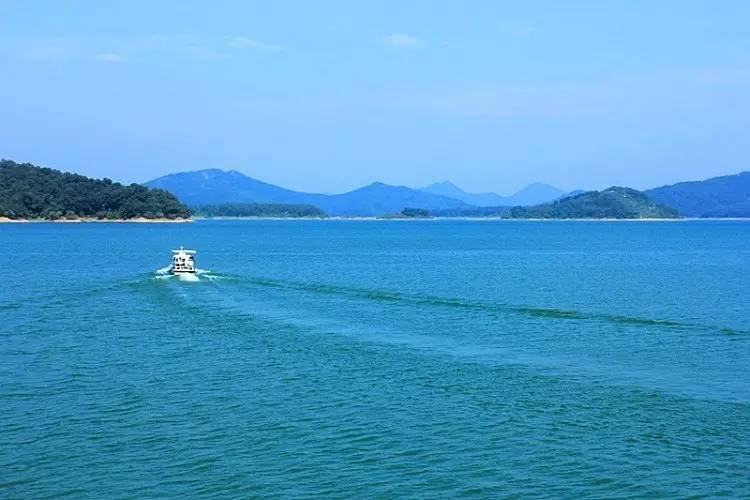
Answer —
(28, 191)
(282, 210)
(612, 203)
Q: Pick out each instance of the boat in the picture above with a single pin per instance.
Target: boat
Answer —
(183, 261)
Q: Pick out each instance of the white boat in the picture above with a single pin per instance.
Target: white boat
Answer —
(183, 261)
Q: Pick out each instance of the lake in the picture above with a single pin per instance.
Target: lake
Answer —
(376, 358)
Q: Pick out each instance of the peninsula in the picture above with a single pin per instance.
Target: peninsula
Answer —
(28, 192)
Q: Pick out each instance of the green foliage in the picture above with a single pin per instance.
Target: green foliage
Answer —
(415, 213)
(27, 191)
(471, 212)
(408, 213)
(284, 210)
(612, 203)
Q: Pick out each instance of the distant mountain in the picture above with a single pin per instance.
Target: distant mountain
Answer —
(380, 199)
(447, 188)
(536, 193)
(726, 196)
(215, 187)
(611, 203)
(741, 209)
(530, 195)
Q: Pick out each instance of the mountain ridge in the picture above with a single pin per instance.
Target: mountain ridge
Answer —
(722, 196)
(534, 193)
(214, 186)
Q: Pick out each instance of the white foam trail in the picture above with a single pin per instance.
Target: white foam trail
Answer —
(165, 273)
(188, 277)
(206, 273)
(163, 270)
(162, 274)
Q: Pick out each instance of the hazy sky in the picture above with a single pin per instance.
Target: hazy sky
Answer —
(327, 96)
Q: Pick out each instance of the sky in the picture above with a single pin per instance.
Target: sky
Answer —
(327, 96)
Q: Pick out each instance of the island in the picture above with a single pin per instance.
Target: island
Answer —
(611, 203)
(409, 213)
(259, 210)
(29, 192)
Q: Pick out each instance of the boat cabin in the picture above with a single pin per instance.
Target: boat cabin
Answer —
(183, 261)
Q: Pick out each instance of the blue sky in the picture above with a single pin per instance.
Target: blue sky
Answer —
(327, 96)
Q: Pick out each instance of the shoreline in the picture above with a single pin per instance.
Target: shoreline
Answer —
(479, 219)
(253, 217)
(89, 220)
(143, 220)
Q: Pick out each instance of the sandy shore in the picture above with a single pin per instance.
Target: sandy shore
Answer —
(135, 220)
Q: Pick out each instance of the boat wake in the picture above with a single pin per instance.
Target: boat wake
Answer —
(554, 314)
(199, 275)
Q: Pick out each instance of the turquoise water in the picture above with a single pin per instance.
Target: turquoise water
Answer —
(381, 358)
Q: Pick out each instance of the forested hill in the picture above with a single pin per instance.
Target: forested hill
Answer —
(28, 191)
(725, 196)
(611, 203)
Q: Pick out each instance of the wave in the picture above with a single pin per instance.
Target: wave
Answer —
(476, 305)
(579, 315)
(247, 305)
(199, 275)
(392, 297)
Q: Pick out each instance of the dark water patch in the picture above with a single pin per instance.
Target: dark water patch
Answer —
(731, 331)
(550, 313)
(579, 315)
(11, 305)
(370, 293)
